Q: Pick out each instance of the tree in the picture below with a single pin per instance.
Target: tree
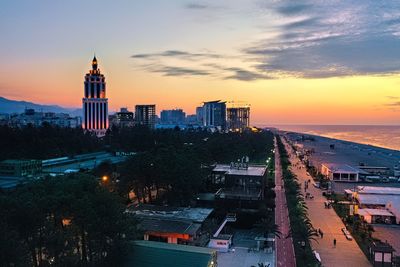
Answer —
(66, 221)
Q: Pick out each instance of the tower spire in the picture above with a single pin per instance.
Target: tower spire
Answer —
(94, 62)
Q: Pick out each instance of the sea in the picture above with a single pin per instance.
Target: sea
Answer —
(381, 136)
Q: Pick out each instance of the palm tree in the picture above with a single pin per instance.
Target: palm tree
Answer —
(268, 226)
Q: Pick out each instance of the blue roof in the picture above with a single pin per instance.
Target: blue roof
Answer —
(150, 254)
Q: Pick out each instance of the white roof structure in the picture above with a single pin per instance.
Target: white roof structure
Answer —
(374, 212)
(342, 168)
(378, 190)
(251, 170)
(377, 199)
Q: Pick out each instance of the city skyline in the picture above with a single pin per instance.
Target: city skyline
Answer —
(294, 63)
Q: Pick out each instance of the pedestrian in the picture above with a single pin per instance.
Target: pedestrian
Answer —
(334, 242)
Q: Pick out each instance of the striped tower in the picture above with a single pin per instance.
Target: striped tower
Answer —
(95, 103)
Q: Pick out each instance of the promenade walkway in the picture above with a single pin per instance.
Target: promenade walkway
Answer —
(346, 253)
(285, 255)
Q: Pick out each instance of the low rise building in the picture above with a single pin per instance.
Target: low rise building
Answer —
(341, 172)
(381, 254)
(378, 204)
(376, 170)
(240, 183)
(123, 118)
(376, 216)
(20, 168)
(176, 225)
(88, 161)
(394, 207)
(36, 119)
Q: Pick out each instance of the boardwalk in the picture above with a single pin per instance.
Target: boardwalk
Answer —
(346, 253)
(285, 256)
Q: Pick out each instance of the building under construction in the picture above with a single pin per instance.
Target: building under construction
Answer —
(238, 117)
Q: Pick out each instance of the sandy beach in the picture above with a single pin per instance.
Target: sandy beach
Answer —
(345, 152)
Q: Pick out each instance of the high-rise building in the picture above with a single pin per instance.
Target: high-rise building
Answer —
(173, 116)
(145, 115)
(199, 115)
(238, 118)
(95, 103)
(214, 114)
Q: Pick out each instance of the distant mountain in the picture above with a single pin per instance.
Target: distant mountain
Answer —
(13, 106)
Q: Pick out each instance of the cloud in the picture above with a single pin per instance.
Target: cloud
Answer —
(196, 6)
(330, 39)
(392, 97)
(188, 64)
(308, 39)
(246, 75)
(293, 9)
(177, 71)
(177, 54)
(394, 104)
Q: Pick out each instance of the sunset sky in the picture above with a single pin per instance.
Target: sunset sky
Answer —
(312, 62)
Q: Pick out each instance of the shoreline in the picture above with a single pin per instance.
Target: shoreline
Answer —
(381, 136)
(343, 152)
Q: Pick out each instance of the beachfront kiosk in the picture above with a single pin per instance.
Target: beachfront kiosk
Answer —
(381, 254)
(341, 172)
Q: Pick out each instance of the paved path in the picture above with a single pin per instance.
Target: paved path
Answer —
(346, 253)
(285, 256)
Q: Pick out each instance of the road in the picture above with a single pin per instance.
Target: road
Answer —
(285, 256)
(346, 253)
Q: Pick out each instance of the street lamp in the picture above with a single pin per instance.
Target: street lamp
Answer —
(104, 178)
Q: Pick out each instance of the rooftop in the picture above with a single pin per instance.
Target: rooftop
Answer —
(239, 193)
(374, 212)
(18, 161)
(251, 170)
(335, 167)
(378, 190)
(167, 219)
(150, 254)
(170, 213)
(373, 199)
(169, 226)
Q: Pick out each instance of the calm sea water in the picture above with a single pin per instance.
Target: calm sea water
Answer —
(382, 136)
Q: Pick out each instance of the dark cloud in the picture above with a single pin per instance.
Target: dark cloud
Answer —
(178, 71)
(293, 8)
(245, 75)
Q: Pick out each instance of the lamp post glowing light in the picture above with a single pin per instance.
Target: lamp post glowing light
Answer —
(104, 178)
